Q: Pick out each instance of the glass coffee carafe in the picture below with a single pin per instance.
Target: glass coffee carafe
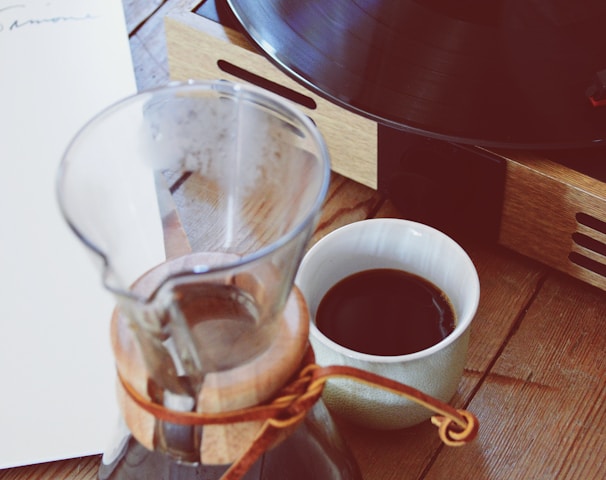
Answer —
(197, 201)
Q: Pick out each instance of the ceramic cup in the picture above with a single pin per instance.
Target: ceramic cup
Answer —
(437, 370)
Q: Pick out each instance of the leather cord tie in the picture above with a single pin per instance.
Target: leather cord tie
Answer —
(289, 407)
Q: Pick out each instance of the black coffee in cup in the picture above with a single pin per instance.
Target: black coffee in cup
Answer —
(386, 312)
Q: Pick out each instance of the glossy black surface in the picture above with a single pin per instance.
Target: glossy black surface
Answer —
(495, 73)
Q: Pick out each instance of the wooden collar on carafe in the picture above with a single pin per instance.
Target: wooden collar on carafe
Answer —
(244, 386)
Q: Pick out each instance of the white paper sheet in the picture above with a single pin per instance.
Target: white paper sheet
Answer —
(61, 61)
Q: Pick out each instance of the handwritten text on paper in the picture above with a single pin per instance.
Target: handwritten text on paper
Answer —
(18, 15)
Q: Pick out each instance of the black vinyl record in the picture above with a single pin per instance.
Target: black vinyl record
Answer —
(514, 73)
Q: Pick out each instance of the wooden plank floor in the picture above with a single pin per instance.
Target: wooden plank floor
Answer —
(535, 372)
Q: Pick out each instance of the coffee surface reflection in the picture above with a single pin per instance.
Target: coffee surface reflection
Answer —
(385, 311)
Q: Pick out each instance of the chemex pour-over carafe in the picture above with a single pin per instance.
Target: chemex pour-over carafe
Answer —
(198, 200)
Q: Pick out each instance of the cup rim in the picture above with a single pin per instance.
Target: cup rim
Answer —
(461, 326)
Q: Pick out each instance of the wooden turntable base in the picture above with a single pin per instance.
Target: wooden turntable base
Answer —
(550, 212)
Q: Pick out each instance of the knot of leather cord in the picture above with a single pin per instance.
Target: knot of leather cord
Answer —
(290, 406)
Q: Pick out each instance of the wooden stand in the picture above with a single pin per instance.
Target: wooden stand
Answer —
(550, 212)
(201, 48)
(555, 215)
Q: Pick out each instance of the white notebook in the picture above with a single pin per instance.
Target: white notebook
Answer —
(61, 62)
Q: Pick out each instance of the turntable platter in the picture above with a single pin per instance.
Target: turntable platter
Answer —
(511, 73)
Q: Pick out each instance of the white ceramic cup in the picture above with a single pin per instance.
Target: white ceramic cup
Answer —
(437, 370)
